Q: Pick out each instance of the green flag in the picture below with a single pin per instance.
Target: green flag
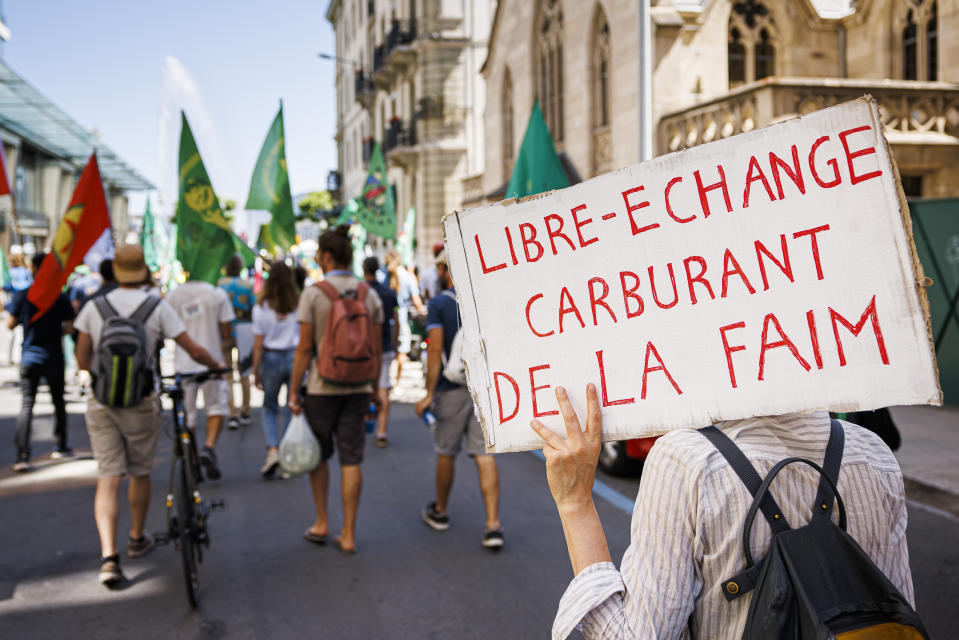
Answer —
(205, 241)
(407, 235)
(5, 281)
(537, 167)
(148, 240)
(377, 211)
(270, 190)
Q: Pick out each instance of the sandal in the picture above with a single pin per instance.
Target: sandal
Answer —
(382, 442)
(339, 547)
(315, 538)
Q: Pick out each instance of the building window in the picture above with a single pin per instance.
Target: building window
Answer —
(27, 181)
(751, 49)
(932, 46)
(506, 111)
(910, 49)
(737, 58)
(601, 70)
(917, 28)
(912, 186)
(765, 57)
(549, 47)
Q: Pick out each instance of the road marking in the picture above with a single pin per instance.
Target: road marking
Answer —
(604, 491)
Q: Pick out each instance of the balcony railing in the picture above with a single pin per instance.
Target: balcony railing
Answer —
(912, 111)
(399, 135)
(364, 86)
(402, 32)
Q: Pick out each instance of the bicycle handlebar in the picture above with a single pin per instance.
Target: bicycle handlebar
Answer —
(200, 376)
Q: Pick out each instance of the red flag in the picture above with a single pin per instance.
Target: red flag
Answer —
(84, 222)
(4, 185)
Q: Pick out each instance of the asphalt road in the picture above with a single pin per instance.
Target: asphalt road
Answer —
(260, 579)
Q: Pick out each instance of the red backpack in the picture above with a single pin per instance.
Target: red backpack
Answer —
(348, 353)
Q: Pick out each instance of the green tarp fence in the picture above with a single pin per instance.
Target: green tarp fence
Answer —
(935, 225)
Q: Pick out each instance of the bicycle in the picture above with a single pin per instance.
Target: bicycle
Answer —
(187, 511)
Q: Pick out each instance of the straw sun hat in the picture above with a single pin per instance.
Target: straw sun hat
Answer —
(129, 267)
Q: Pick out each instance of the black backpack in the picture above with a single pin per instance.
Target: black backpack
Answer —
(815, 582)
(121, 371)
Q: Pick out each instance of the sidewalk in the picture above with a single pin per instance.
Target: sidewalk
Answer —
(929, 455)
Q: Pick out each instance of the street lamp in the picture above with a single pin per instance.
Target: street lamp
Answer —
(329, 56)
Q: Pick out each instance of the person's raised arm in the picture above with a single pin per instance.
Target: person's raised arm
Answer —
(301, 360)
(434, 362)
(198, 353)
(570, 471)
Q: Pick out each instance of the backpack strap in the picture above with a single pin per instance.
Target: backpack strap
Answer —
(831, 462)
(145, 310)
(329, 290)
(748, 474)
(105, 308)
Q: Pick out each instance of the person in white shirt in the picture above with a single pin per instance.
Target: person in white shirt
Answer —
(206, 312)
(689, 515)
(124, 440)
(276, 333)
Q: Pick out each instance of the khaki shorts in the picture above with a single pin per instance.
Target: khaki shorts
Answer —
(124, 441)
(455, 420)
(216, 399)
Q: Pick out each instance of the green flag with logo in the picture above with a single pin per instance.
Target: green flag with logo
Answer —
(377, 211)
(152, 251)
(270, 190)
(538, 167)
(205, 241)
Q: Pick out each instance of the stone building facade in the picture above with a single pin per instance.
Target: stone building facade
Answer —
(718, 68)
(408, 77)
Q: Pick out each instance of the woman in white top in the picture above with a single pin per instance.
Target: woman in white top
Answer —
(275, 336)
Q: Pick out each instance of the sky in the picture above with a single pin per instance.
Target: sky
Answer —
(126, 68)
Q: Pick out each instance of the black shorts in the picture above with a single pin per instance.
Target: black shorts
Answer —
(342, 416)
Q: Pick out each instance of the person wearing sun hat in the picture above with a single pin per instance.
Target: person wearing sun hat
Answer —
(124, 440)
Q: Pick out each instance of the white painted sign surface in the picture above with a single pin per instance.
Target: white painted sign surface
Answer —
(768, 273)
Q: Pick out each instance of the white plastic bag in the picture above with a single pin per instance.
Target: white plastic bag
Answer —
(299, 450)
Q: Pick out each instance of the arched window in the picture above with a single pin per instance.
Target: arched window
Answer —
(932, 45)
(506, 114)
(737, 58)
(910, 49)
(549, 48)
(750, 52)
(765, 56)
(601, 70)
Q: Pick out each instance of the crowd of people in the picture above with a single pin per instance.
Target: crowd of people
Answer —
(270, 331)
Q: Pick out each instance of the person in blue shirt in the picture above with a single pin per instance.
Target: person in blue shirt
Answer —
(452, 407)
(41, 357)
(240, 292)
(390, 331)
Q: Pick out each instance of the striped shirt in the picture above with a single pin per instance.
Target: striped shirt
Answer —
(688, 519)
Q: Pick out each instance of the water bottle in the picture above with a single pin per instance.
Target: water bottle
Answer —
(429, 418)
(371, 419)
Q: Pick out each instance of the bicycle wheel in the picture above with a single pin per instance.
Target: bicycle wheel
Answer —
(186, 533)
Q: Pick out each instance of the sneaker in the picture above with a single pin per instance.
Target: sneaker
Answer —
(433, 518)
(208, 461)
(141, 547)
(232, 423)
(61, 452)
(493, 540)
(245, 419)
(110, 575)
(22, 465)
(268, 470)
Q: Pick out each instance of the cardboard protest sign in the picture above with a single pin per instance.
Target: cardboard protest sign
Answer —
(764, 274)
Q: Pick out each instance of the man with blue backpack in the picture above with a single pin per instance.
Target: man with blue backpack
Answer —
(116, 339)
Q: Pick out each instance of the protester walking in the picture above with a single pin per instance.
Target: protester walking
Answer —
(206, 313)
(275, 335)
(337, 398)
(124, 438)
(452, 407)
(390, 314)
(408, 298)
(240, 292)
(21, 277)
(689, 517)
(41, 358)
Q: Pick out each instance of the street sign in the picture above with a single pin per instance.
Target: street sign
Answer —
(763, 274)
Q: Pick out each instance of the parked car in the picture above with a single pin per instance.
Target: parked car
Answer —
(625, 457)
